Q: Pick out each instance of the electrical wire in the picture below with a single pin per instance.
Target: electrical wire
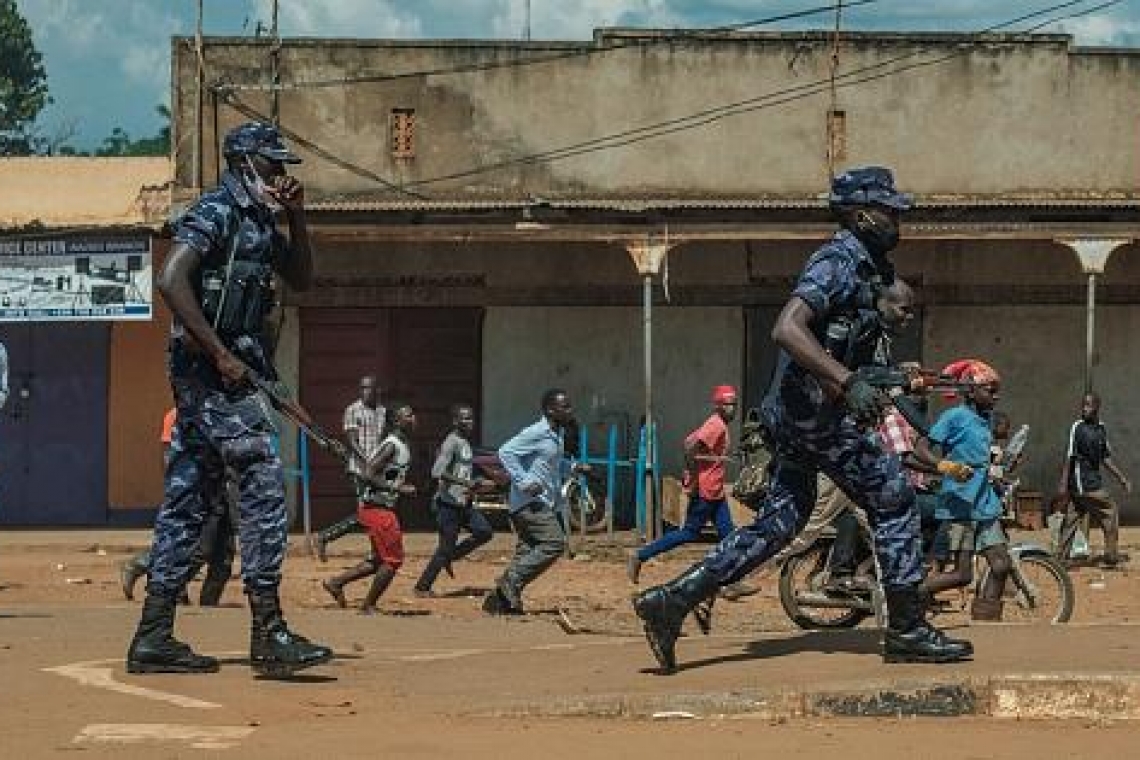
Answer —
(767, 100)
(679, 34)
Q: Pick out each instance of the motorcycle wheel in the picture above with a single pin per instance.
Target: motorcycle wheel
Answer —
(805, 573)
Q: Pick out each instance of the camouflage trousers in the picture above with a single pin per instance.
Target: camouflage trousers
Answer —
(216, 431)
(855, 462)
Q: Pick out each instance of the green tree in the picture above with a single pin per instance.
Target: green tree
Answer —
(119, 143)
(23, 83)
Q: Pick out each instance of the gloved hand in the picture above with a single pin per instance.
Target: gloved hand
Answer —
(865, 401)
(957, 470)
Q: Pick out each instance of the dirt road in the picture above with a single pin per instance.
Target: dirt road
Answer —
(435, 678)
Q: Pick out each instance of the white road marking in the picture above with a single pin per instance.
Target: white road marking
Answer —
(99, 674)
(198, 737)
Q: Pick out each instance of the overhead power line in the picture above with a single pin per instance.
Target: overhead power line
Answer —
(783, 96)
(579, 52)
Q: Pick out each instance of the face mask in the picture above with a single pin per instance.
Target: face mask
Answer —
(878, 232)
(259, 190)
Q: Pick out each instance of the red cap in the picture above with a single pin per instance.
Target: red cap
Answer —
(723, 394)
(970, 371)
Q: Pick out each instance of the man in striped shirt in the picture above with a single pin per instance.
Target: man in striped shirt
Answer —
(364, 429)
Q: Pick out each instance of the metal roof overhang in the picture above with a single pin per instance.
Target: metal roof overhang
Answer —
(690, 220)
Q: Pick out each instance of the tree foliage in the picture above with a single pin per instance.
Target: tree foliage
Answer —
(23, 83)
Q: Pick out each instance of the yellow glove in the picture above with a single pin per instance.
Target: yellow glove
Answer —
(957, 470)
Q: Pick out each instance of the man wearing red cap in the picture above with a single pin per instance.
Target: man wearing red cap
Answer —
(706, 449)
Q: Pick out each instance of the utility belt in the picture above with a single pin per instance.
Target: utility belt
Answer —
(237, 299)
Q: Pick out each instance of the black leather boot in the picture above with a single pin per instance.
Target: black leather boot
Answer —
(154, 648)
(130, 572)
(274, 650)
(663, 610)
(909, 638)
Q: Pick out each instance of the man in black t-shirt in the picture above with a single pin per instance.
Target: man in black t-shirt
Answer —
(1082, 483)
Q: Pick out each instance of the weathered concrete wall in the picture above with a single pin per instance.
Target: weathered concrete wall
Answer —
(1012, 115)
(596, 355)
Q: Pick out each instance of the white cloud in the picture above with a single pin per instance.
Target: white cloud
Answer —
(1102, 30)
(346, 18)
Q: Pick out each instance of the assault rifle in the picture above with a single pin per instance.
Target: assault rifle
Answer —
(896, 382)
(303, 420)
(305, 423)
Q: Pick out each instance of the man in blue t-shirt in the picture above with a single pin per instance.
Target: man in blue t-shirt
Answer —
(969, 507)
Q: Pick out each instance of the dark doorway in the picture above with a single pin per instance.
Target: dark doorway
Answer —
(429, 358)
(53, 430)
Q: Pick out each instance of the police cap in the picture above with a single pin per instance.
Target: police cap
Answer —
(256, 138)
(868, 186)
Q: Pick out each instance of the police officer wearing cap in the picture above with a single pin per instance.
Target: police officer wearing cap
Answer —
(219, 283)
(815, 414)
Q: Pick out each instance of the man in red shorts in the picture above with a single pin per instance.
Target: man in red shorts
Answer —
(385, 476)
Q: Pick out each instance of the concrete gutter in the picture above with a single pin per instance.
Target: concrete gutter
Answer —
(1064, 696)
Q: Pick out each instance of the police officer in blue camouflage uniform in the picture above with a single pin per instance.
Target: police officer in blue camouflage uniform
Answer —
(219, 283)
(815, 415)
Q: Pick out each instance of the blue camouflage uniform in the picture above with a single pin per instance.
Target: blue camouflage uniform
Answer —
(812, 434)
(219, 428)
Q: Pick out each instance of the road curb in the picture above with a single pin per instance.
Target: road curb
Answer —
(1027, 696)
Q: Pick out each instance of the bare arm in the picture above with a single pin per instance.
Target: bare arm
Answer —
(792, 333)
(174, 283)
(1120, 476)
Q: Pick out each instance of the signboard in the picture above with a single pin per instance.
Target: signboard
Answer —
(72, 278)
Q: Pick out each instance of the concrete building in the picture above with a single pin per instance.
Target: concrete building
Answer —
(481, 210)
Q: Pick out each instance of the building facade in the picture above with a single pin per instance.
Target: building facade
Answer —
(487, 214)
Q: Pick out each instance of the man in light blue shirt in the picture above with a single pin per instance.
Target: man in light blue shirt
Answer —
(534, 459)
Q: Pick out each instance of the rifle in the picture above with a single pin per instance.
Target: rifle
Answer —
(896, 382)
(303, 420)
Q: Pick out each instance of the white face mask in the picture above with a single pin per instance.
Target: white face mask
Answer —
(261, 192)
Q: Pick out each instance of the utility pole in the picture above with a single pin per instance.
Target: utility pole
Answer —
(196, 160)
(526, 24)
(275, 67)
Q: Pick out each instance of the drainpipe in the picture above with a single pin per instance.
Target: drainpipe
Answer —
(1093, 255)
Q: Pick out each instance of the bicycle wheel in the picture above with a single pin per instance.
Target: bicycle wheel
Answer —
(584, 501)
(802, 595)
(1038, 590)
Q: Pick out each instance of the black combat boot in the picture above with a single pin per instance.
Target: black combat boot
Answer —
(274, 650)
(909, 638)
(130, 572)
(154, 648)
(663, 610)
(380, 583)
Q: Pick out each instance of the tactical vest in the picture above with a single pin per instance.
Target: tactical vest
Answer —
(238, 295)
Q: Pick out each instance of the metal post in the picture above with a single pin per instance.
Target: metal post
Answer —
(275, 68)
(306, 500)
(651, 517)
(1093, 255)
(196, 159)
(611, 479)
(1090, 333)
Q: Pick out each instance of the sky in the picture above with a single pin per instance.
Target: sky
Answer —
(108, 61)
